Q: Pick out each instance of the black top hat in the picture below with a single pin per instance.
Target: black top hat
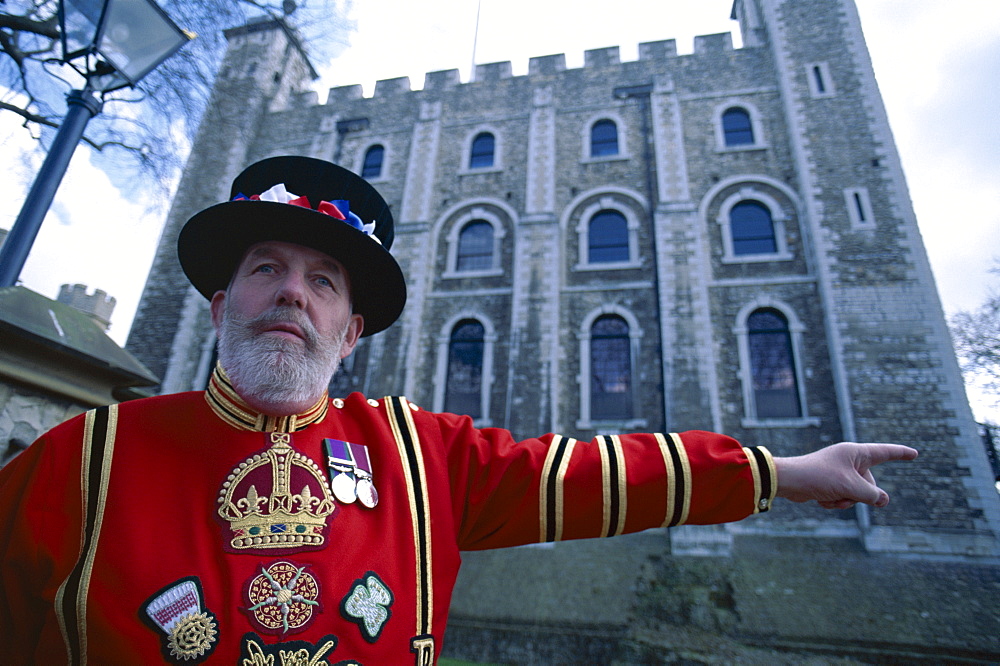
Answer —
(212, 243)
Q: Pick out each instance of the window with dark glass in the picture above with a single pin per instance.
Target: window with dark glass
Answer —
(772, 365)
(464, 383)
(818, 78)
(752, 229)
(607, 238)
(372, 167)
(736, 127)
(603, 139)
(610, 369)
(482, 151)
(475, 247)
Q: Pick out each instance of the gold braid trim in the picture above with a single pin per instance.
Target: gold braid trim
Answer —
(230, 407)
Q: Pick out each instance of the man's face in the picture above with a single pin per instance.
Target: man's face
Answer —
(284, 323)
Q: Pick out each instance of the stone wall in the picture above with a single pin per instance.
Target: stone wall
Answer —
(26, 414)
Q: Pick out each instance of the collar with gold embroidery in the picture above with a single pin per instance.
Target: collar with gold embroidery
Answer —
(227, 404)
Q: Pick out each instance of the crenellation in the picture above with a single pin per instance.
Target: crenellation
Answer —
(387, 87)
(545, 65)
(441, 80)
(493, 72)
(597, 58)
(717, 43)
(344, 94)
(658, 50)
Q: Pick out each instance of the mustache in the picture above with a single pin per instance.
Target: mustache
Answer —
(282, 314)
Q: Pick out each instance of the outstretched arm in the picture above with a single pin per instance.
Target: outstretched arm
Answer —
(838, 476)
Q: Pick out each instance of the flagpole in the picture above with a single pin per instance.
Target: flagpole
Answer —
(475, 41)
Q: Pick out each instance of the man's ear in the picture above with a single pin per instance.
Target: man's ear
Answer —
(218, 306)
(355, 327)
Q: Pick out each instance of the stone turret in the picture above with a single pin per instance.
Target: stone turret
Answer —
(97, 305)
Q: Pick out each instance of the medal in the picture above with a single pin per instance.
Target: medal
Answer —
(367, 494)
(350, 472)
(344, 487)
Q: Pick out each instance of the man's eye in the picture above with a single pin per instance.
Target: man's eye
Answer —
(324, 282)
(265, 268)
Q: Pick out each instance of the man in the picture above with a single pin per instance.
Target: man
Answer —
(261, 522)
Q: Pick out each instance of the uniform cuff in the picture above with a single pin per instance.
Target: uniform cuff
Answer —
(765, 477)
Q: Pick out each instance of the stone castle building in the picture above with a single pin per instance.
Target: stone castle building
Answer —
(722, 240)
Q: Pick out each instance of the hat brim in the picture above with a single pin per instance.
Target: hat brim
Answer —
(212, 244)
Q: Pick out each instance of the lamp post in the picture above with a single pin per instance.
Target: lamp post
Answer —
(112, 44)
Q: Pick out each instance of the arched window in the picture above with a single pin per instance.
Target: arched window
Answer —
(752, 229)
(610, 369)
(603, 138)
(772, 365)
(481, 154)
(475, 247)
(464, 381)
(736, 127)
(607, 237)
(372, 167)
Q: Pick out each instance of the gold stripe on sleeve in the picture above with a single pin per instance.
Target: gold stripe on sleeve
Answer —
(683, 479)
(560, 508)
(622, 485)
(543, 490)
(605, 486)
(671, 476)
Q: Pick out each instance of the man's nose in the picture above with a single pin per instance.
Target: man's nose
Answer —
(291, 290)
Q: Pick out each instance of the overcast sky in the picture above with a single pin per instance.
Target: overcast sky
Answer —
(937, 63)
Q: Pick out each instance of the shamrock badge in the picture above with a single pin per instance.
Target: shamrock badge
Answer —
(367, 605)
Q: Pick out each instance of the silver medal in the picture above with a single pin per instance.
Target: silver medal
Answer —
(367, 494)
(344, 488)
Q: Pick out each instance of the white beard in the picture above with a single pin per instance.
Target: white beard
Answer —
(270, 369)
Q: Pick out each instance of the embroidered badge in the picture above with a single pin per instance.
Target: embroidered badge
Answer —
(255, 652)
(282, 598)
(277, 498)
(367, 605)
(189, 629)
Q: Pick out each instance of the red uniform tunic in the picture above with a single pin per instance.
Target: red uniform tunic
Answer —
(187, 528)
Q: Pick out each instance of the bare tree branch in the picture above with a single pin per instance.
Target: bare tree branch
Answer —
(172, 96)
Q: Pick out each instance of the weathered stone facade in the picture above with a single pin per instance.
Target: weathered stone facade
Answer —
(849, 274)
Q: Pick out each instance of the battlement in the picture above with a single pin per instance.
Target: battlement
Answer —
(547, 65)
(98, 305)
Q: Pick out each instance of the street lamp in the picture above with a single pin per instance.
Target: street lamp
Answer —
(112, 44)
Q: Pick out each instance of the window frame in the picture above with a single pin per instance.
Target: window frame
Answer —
(593, 142)
(859, 208)
(756, 127)
(633, 224)
(778, 220)
(459, 255)
(465, 167)
(585, 338)
(382, 162)
(487, 376)
(816, 90)
(586, 132)
(796, 332)
(456, 225)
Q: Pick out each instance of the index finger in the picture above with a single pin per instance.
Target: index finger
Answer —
(881, 452)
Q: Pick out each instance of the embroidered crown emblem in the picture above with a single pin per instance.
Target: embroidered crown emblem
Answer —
(277, 498)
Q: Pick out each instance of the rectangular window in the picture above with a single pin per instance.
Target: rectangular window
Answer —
(859, 208)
